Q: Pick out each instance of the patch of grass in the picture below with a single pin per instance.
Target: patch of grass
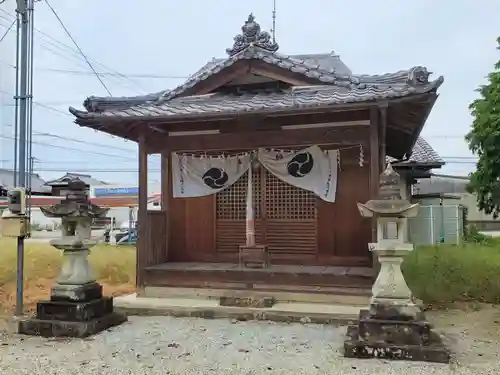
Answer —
(114, 267)
(443, 274)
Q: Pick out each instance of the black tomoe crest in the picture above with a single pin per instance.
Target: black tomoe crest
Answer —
(300, 165)
(215, 178)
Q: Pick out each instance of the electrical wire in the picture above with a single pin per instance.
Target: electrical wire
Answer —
(75, 149)
(75, 56)
(77, 46)
(7, 31)
(40, 104)
(104, 74)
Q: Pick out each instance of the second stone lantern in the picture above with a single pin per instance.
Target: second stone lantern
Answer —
(393, 327)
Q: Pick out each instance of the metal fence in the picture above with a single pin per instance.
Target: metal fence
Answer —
(437, 224)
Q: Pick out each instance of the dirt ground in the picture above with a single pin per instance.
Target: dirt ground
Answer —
(471, 331)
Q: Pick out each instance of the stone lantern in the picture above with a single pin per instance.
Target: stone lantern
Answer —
(77, 307)
(393, 327)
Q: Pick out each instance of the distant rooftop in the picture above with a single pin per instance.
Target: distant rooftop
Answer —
(7, 181)
(88, 179)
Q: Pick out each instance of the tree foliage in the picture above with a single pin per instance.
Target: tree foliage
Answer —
(484, 142)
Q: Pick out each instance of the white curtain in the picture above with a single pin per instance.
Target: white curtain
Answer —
(311, 169)
(197, 176)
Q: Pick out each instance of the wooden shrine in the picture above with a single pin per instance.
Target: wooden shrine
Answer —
(259, 99)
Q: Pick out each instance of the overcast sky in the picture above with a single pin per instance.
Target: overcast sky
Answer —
(156, 44)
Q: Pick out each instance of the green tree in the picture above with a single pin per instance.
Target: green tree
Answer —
(484, 142)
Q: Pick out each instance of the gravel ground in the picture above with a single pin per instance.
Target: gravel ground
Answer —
(165, 345)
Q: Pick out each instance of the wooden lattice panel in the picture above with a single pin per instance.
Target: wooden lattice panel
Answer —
(231, 202)
(287, 202)
(289, 223)
(231, 213)
(291, 218)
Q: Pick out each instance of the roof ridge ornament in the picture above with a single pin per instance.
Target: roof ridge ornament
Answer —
(252, 35)
(418, 75)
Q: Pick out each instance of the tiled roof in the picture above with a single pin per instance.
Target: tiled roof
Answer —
(422, 153)
(7, 181)
(87, 179)
(254, 44)
(335, 85)
(326, 61)
(297, 97)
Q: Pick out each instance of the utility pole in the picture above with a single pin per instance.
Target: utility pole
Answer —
(24, 12)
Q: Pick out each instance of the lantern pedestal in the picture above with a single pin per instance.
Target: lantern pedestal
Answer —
(68, 318)
(76, 307)
(393, 327)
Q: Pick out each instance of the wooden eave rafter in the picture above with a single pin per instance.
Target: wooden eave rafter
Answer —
(405, 123)
(429, 104)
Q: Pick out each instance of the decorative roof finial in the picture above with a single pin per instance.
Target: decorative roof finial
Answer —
(390, 184)
(252, 35)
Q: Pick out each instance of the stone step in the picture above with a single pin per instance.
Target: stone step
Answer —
(210, 308)
(281, 293)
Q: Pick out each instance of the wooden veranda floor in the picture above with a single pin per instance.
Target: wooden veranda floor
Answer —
(230, 275)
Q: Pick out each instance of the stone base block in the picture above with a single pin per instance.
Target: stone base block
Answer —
(262, 302)
(380, 333)
(354, 347)
(60, 328)
(405, 332)
(63, 318)
(80, 293)
(74, 311)
(387, 311)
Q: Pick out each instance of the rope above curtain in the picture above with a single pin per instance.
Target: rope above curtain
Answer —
(310, 169)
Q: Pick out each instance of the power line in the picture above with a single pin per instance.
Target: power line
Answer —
(40, 104)
(77, 46)
(75, 57)
(74, 149)
(75, 140)
(49, 39)
(103, 74)
(7, 31)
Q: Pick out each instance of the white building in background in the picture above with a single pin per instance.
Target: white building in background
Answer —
(7, 90)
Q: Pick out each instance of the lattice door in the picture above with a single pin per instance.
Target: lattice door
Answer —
(231, 213)
(290, 218)
(285, 216)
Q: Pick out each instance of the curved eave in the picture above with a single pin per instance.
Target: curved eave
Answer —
(154, 112)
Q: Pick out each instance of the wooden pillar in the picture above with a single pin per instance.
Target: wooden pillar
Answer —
(142, 215)
(166, 193)
(374, 171)
(382, 135)
(374, 151)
